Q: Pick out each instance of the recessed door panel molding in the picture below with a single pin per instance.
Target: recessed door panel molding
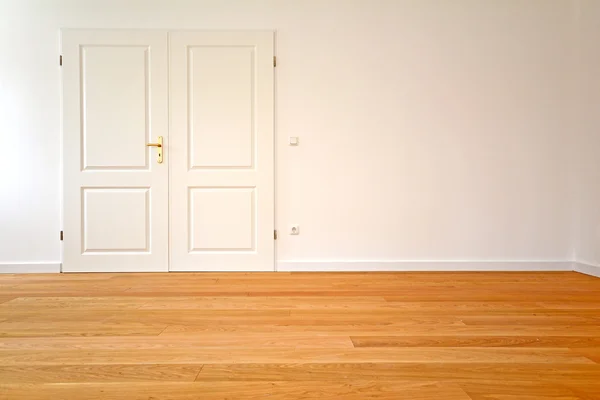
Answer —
(116, 220)
(221, 132)
(115, 106)
(221, 93)
(222, 220)
(115, 101)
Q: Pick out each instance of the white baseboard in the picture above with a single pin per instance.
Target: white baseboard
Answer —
(358, 266)
(587, 268)
(30, 268)
(291, 266)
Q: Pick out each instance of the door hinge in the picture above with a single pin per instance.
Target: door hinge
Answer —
(275, 235)
(274, 61)
(61, 235)
(60, 60)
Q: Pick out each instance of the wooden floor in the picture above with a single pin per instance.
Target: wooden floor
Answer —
(442, 336)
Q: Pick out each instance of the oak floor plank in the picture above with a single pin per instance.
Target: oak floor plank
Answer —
(282, 317)
(282, 356)
(166, 317)
(575, 374)
(453, 308)
(236, 390)
(518, 391)
(475, 341)
(335, 303)
(570, 305)
(220, 340)
(4, 299)
(82, 373)
(416, 296)
(77, 328)
(72, 293)
(44, 304)
(494, 296)
(591, 352)
(528, 320)
(391, 329)
(259, 319)
(585, 390)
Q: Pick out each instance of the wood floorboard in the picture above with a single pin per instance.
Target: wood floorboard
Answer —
(219, 341)
(82, 373)
(391, 329)
(4, 299)
(358, 390)
(281, 336)
(77, 328)
(85, 304)
(593, 353)
(529, 320)
(170, 317)
(519, 391)
(498, 373)
(476, 341)
(585, 390)
(281, 356)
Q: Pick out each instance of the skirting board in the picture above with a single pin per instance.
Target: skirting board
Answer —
(357, 266)
(30, 268)
(588, 269)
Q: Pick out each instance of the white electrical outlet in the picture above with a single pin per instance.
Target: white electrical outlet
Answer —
(295, 230)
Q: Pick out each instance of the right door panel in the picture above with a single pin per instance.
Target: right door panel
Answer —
(222, 172)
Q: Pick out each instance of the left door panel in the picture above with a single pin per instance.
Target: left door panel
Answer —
(115, 190)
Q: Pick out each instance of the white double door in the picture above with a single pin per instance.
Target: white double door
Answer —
(209, 205)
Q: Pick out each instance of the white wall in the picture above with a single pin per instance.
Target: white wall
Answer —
(587, 156)
(430, 129)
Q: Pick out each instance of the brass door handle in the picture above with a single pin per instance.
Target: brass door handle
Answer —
(159, 146)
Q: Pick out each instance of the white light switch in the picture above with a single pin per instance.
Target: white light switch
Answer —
(294, 141)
